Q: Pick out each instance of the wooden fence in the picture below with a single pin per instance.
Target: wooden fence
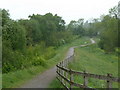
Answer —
(63, 72)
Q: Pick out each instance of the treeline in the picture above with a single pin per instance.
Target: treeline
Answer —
(107, 28)
(31, 42)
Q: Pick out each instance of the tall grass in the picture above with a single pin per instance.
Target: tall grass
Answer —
(49, 56)
(80, 41)
(19, 77)
(93, 60)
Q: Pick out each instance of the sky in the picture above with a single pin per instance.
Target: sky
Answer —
(67, 9)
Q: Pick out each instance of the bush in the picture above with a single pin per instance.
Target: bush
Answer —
(32, 56)
(7, 67)
(49, 53)
(38, 61)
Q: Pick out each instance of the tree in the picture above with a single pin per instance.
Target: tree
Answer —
(109, 35)
(114, 12)
(5, 17)
(77, 27)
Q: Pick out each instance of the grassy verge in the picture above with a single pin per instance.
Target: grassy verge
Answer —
(16, 79)
(93, 60)
(0, 80)
(81, 41)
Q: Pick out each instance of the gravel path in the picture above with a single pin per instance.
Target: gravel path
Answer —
(43, 80)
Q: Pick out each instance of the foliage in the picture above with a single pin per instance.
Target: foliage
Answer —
(106, 28)
(17, 78)
(31, 42)
(92, 59)
(109, 35)
(77, 27)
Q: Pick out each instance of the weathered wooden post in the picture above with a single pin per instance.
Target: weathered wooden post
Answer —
(71, 79)
(66, 77)
(60, 71)
(67, 62)
(109, 82)
(85, 79)
(63, 71)
(64, 63)
(57, 71)
(59, 68)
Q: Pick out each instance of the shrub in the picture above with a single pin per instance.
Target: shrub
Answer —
(38, 61)
(49, 53)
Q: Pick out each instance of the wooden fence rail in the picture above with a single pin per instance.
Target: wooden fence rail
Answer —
(63, 71)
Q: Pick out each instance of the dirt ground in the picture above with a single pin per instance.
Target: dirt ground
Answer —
(43, 80)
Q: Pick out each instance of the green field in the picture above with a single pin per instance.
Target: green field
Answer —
(16, 79)
(93, 60)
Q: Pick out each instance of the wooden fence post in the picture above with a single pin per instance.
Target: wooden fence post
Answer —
(63, 71)
(60, 71)
(85, 79)
(66, 76)
(67, 62)
(71, 79)
(57, 71)
(109, 82)
(64, 63)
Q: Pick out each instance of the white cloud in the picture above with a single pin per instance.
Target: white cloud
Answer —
(68, 9)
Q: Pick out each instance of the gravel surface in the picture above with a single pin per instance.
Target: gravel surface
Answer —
(43, 80)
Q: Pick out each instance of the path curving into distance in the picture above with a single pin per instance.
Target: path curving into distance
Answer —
(43, 80)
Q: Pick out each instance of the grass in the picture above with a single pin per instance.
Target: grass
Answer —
(16, 79)
(0, 80)
(81, 41)
(55, 84)
(93, 60)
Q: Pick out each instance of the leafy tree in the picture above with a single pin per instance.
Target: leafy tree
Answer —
(114, 12)
(109, 35)
(77, 27)
(5, 17)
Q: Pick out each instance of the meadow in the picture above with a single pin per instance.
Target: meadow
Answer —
(94, 60)
(19, 77)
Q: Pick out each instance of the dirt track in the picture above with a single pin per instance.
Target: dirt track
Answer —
(43, 80)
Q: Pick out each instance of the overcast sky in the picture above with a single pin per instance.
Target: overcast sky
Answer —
(67, 9)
